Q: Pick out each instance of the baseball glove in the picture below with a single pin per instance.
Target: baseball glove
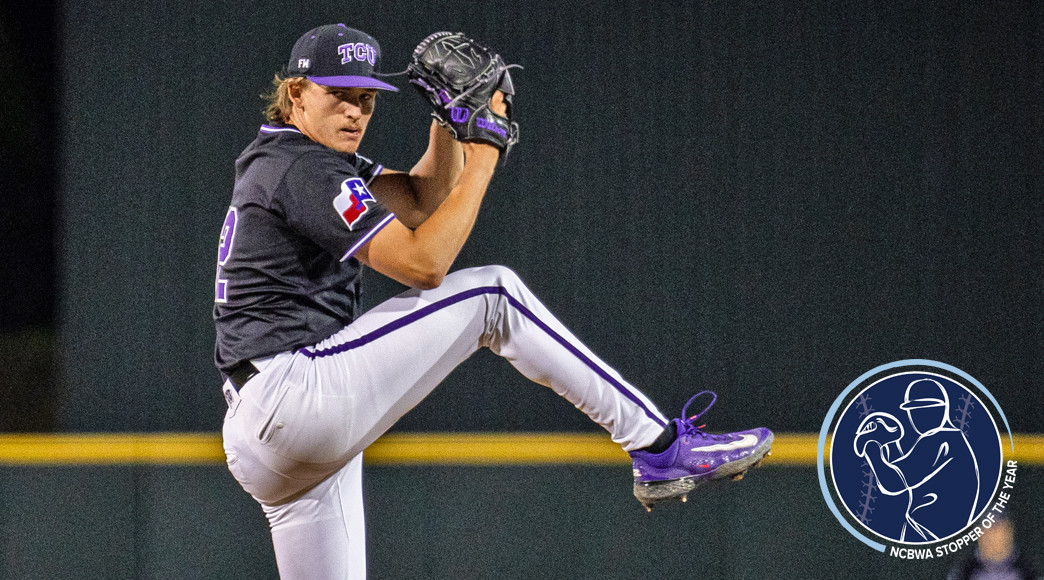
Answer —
(458, 76)
(880, 427)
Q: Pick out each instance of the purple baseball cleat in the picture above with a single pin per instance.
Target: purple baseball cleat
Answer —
(696, 457)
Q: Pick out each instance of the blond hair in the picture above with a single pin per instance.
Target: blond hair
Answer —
(277, 103)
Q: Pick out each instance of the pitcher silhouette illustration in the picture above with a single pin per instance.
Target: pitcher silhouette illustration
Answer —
(939, 473)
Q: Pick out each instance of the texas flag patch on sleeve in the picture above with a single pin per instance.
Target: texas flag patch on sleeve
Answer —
(354, 201)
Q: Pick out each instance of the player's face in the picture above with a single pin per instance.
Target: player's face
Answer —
(334, 116)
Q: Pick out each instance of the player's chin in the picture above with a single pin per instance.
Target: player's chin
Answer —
(342, 146)
(348, 141)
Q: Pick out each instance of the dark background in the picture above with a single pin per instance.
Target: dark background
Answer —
(765, 200)
(28, 192)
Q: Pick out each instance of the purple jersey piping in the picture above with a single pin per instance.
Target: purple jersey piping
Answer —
(271, 129)
(474, 292)
(376, 171)
(369, 236)
(387, 219)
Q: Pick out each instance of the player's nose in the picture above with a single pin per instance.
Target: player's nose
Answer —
(352, 110)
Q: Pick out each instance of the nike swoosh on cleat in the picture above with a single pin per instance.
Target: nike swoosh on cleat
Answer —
(744, 441)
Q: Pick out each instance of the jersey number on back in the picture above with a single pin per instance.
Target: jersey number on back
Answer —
(228, 236)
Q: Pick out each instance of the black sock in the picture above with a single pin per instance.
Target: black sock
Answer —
(670, 433)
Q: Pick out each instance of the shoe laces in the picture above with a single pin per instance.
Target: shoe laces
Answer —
(688, 424)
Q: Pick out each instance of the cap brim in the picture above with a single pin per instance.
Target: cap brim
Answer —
(921, 404)
(352, 82)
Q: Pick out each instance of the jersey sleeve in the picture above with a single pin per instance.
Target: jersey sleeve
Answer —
(326, 198)
(367, 169)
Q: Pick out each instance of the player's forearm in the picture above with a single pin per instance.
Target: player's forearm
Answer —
(440, 238)
(438, 171)
(422, 256)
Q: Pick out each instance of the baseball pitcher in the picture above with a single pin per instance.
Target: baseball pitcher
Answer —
(312, 381)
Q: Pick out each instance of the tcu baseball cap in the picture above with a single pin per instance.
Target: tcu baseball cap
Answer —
(334, 55)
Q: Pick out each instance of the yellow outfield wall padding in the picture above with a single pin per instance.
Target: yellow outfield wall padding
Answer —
(394, 449)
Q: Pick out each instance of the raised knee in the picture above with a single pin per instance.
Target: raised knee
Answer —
(506, 276)
(497, 275)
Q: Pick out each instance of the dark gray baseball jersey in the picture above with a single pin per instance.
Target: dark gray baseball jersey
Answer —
(286, 277)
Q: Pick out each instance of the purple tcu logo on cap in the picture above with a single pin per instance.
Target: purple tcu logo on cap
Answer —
(358, 51)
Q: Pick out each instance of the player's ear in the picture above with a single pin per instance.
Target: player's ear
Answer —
(294, 88)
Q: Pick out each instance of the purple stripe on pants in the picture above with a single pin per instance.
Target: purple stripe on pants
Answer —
(446, 302)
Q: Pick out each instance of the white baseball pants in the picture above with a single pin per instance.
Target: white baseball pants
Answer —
(295, 433)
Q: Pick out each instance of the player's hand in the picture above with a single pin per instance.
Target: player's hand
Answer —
(497, 104)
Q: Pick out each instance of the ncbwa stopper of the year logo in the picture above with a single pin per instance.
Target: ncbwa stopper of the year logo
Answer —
(916, 456)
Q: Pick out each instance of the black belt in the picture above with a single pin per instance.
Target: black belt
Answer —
(241, 373)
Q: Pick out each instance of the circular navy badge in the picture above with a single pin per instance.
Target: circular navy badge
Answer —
(915, 454)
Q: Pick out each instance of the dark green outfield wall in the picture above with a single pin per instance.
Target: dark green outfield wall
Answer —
(440, 523)
(763, 200)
